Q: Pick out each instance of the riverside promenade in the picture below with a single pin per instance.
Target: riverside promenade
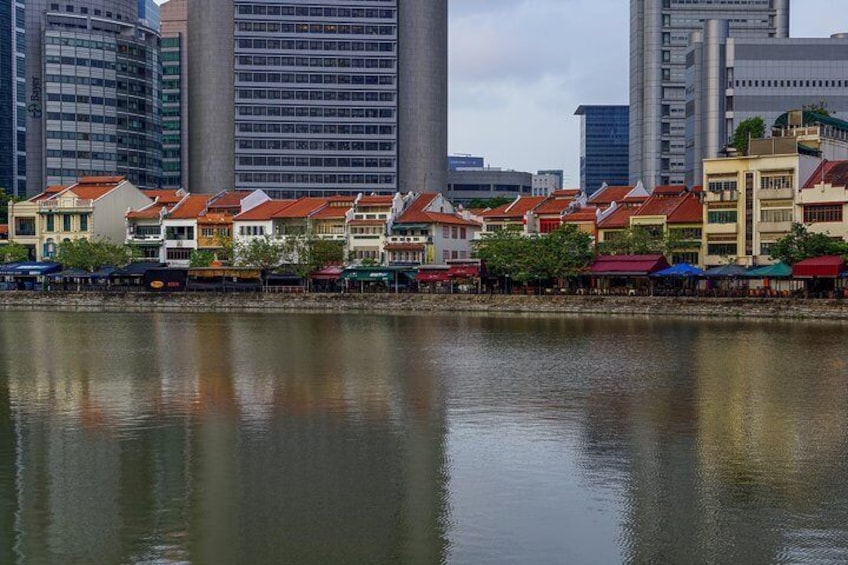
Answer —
(775, 308)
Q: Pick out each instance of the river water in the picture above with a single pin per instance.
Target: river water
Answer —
(312, 438)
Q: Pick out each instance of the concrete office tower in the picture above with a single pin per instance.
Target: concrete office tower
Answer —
(92, 82)
(211, 95)
(322, 98)
(659, 36)
(423, 95)
(175, 158)
(12, 97)
(604, 146)
(729, 80)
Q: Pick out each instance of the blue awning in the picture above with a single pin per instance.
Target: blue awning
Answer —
(29, 269)
(681, 270)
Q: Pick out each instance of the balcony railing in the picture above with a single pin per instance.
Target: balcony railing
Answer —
(53, 205)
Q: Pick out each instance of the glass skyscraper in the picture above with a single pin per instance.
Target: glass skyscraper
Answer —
(12, 96)
(659, 36)
(604, 146)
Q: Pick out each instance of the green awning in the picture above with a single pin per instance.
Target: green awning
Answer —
(366, 276)
(776, 271)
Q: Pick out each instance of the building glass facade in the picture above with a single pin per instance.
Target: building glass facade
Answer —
(172, 121)
(12, 97)
(659, 36)
(604, 146)
(316, 97)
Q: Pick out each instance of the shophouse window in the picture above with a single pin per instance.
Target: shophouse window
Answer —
(823, 213)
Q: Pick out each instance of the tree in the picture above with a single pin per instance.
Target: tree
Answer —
(259, 253)
(820, 108)
(13, 252)
(567, 251)
(752, 128)
(489, 203)
(93, 255)
(800, 244)
(201, 258)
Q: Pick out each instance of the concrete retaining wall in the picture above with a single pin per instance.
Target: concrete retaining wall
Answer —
(603, 305)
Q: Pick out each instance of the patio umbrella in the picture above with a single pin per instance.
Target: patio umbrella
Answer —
(776, 271)
(725, 272)
(681, 270)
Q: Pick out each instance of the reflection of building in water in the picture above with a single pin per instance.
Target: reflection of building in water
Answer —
(220, 438)
(732, 452)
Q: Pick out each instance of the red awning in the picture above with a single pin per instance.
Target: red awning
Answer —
(628, 265)
(829, 266)
(327, 274)
(432, 276)
(463, 271)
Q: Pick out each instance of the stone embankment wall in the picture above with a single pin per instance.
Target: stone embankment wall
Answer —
(591, 305)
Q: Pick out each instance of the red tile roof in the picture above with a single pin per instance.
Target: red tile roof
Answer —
(567, 192)
(690, 211)
(554, 205)
(620, 218)
(670, 189)
(588, 214)
(376, 200)
(332, 212)
(301, 208)
(416, 213)
(190, 207)
(150, 212)
(834, 173)
(264, 211)
(515, 209)
(685, 209)
(628, 265)
(610, 194)
(165, 196)
(230, 199)
(215, 218)
(49, 192)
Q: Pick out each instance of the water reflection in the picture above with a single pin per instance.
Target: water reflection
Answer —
(215, 438)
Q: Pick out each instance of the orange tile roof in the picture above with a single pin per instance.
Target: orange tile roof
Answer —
(620, 218)
(150, 212)
(670, 189)
(676, 209)
(568, 192)
(376, 200)
(101, 180)
(49, 192)
(301, 208)
(263, 211)
(164, 196)
(609, 195)
(230, 199)
(190, 207)
(690, 211)
(92, 188)
(554, 205)
(834, 173)
(515, 209)
(215, 218)
(332, 212)
(588, 214)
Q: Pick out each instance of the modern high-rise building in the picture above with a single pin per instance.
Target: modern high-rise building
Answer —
(604, 146)
(148, 14)
(175, 159)
(92, 82)
(729, 80)
(331, 97)
(13, 100)
(659, 35)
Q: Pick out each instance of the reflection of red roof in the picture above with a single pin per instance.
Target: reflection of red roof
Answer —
(264, 211)
(301, 208)
(620, 218)
(634, 265)
(834, 173)
(829, 266)
(515, 209)
(417, 213)
(190, 207)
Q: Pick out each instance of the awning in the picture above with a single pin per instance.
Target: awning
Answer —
(29, 269)
(137, 269)
(463, 271)
(681, 270)
(366, 276)
(628, 265)
(327, 274)
(776, 271)
(433, 276)
(829, 266)
(726, 272)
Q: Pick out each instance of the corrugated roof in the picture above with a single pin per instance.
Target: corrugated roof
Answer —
(263, 211)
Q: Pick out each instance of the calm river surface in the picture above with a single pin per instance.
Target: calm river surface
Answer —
(371, 439)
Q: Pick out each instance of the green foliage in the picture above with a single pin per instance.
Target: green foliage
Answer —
(820, 108)
(636, 240)
(800, 244)
(201, 258)
(93, 255)
(13, 252)
(560, 254)
(259, 253)
(489, 203)
(306, 253)
(752, 128)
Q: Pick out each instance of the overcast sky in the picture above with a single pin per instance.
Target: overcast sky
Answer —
(519, 69)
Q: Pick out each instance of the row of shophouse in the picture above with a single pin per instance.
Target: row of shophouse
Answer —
(745, 205)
